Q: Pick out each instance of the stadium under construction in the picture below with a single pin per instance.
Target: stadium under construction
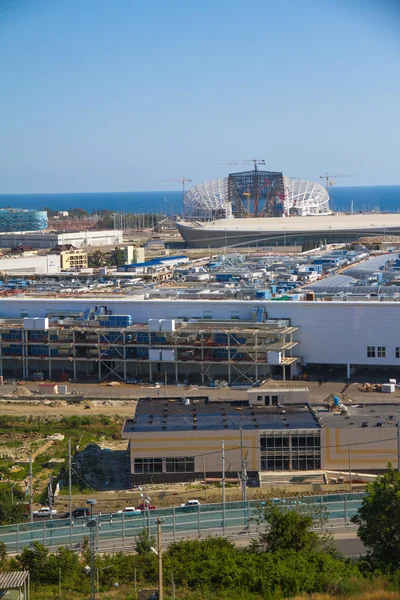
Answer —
(265, 208)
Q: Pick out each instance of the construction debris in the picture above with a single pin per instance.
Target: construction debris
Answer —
(21, 392)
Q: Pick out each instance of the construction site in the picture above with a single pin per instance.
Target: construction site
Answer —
(100, 345)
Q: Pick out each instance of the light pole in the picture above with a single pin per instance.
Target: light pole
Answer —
(92, 523)
(158, 552)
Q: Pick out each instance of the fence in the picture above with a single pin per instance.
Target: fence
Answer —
(119, 530)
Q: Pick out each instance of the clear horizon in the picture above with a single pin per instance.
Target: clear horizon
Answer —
(123, 96)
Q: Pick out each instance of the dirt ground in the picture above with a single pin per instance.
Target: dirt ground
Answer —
(121, 399)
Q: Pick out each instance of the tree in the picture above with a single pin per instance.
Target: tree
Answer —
(378, 519)
(290, 528)
(12, 509)
(96, 259)
(144, 543)
(117, 257)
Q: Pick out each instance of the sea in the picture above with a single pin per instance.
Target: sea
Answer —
(343, 199)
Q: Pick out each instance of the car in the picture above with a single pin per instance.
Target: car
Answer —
(44, 511)
(130, 510)
(253, 483)
(78, 512)
(145, 506)
(190, 503)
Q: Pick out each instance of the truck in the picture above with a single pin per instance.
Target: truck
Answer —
(44, 511)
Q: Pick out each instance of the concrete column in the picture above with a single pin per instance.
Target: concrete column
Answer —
(348, 371)
(176, 372)
(99, 371)
(74, 366)
(49, 369)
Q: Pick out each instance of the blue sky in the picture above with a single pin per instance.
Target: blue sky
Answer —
(102, 95)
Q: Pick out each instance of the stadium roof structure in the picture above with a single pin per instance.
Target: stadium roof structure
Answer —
(256, 194)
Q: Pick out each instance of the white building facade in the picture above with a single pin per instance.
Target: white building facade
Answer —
(329, 333)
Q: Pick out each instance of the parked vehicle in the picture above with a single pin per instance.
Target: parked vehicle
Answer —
(191, 503)
(145, 506)
(130, 510)
(44, 511)
(78, 512)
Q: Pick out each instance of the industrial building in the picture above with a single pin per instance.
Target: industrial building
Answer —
(49, 239)
(21, 219)
(180, 439)
(31, 264)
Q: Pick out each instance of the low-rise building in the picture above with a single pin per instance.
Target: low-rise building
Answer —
(180, 439)
(71, 258)
(23, 250)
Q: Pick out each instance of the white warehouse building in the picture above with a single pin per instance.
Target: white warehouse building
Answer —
(346, 334)
(49, 239)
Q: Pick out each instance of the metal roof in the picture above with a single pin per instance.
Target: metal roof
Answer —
(13, 580)
(172, 414)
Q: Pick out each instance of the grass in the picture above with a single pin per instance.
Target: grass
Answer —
(125, 592)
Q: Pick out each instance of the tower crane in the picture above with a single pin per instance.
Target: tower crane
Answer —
(255, 161)
(330, 179)
(182, 181)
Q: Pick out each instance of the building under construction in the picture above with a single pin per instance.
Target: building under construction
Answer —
(100, 345)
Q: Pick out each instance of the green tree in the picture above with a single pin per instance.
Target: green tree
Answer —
(290, 528)
(12, 506)
(144, 543)
(378, 519)
(36, 561)
(117, 257)
(96, 259)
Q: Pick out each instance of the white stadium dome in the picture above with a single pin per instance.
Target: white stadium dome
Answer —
(212, 199)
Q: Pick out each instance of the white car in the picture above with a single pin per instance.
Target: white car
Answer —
(190, 503)
(130, 510)
(44, 511)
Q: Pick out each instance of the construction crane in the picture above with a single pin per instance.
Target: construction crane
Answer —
(330, 179)
(255, 161)
(182, 181)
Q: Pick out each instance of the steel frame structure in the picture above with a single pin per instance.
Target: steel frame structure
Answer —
(208, 201)
(240, 350)
(255, 194)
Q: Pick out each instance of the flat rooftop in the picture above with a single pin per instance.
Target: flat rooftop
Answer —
(369, 222)
(361, 415)
(172, 414)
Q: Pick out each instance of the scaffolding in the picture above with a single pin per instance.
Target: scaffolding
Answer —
(202, 350)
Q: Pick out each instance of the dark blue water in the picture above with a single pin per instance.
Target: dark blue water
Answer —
(384, 198)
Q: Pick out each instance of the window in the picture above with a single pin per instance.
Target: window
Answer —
(381, 352)
(397, 351)
(179, 465)
(371, 351)
(259, 398)
(148, 465)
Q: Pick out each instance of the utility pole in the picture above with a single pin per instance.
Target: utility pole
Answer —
(349, 450)
(50, 495)
(223, 486)
(159, 555)
(398, 446)
(205, 477)
(243, 476)
(92, 524)
(30, 489)
(70, 491)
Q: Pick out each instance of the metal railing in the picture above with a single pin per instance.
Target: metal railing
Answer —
(208, 519)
